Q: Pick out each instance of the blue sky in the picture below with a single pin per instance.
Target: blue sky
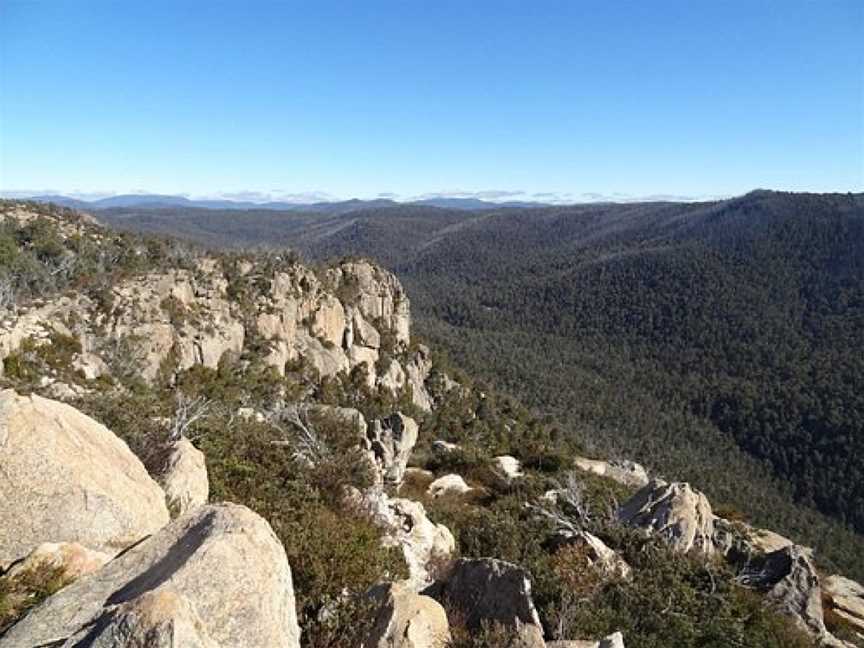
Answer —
(550, 100)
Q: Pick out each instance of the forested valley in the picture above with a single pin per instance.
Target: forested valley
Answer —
(718, 343)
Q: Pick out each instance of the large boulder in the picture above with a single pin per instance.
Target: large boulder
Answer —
(390, 441)
(223, 560)
(153, 620)
(406, 619)
(184, 478)
(677, 512)
(73, 480)
(846, 600)
(789, 579)
(487, 590)
(448, 485)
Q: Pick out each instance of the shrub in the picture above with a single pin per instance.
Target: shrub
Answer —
(23, 591)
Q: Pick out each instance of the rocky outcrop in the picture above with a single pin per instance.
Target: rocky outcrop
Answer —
(179, 318)
(417, 371)
(739, 542)
(628, 473)
(389, 442)
(448, 485)
(790, 581)
(406, 619)
(347, 417)
(184, 478)
(36, 322)
(73, 481)
(424, 544)
(677, 512)
(615, 640)
(175, 313)
(377, 294)
(846, 600)
(392, 378)
(327, 361)
(490, 590)
(218, 574)
(154, 619)
(73, 559)
(363, 333)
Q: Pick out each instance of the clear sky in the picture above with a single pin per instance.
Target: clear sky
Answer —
(550, 99)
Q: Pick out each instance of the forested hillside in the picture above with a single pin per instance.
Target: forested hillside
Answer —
(717, 342)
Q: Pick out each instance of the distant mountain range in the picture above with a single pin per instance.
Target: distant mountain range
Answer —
(156, 201)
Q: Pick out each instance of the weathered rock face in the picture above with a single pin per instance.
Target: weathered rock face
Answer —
(417, 371)
(392, 378)
(363, 333)
(184, 478)
(406, 525)
(176, 312)
(407, 620)
(677, 512)
(377, 294)
(390, 441)
(189, 317)
(36, 323)
(74, 559)
(846, 598)
(73, 481)
(789, 579)
(628, 473)
(216, 574)
(153, 620)
(492, 590)
(328, 361)
(328, 322)
(448, 484)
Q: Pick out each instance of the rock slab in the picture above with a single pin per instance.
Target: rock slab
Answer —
(677, 512)
(491, 590)
(73, 480)
(223, 562)
(184, 478)
(407, 620)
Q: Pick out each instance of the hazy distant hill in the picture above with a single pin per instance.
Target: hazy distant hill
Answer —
(156, 201)
(720, 342)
